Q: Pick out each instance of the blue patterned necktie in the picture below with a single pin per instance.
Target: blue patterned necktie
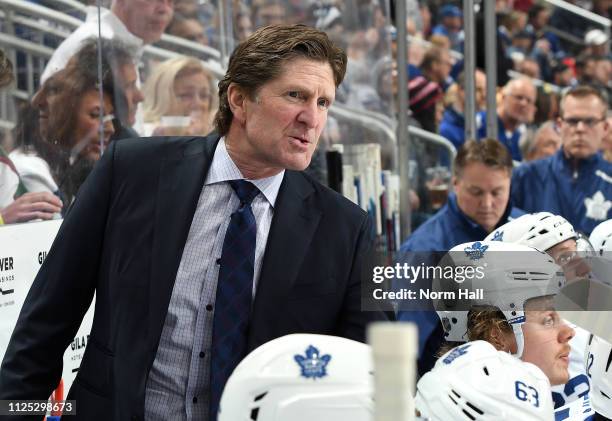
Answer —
(234, 292)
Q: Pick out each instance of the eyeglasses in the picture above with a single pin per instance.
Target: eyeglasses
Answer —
(520, 98)
(588, 122)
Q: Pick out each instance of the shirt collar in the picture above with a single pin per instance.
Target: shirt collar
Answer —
(224, 169)
(563, 163)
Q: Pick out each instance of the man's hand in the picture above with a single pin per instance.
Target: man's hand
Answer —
(41, 205)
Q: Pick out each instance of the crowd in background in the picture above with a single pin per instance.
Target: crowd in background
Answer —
(552, 151)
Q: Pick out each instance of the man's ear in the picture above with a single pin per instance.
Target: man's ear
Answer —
(237, 100)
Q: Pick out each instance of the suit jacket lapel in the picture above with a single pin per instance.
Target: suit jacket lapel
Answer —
(296, 217)
(181, 179)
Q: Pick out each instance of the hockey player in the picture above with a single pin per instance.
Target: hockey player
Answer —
(556, 236)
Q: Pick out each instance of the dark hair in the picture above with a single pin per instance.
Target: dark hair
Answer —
(6, 70)
(260, 59)
(489, 152)
(583, 91)
(78, 77)
(115, 55)
(534, 11)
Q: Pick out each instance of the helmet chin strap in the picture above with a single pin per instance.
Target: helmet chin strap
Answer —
(517, 322)
(520, 339)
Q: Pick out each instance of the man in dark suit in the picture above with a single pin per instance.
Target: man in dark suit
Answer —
(191, 264)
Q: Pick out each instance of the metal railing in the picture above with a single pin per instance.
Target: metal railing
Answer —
(586, 14)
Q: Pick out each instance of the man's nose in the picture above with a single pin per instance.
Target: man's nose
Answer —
(309, 114)
(566, 332)
(487, 201)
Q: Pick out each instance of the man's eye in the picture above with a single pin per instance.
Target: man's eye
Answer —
(294, 94)
(324, 103)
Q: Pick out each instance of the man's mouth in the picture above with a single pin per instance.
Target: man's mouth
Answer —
(302, 140)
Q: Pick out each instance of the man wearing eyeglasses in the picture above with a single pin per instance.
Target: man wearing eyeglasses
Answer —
(576, 182)
(516, 108)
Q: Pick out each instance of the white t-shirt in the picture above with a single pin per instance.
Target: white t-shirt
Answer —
(34, 171)
(110, 28)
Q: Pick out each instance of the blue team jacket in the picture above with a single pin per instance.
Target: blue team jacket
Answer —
(452, 127)
(583, 197)
(510, 140)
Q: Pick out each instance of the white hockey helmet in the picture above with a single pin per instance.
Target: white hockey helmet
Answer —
(475, 382)
(599, 369)
(506, 276)
(541, 231)
(301, 377)
(601, 237)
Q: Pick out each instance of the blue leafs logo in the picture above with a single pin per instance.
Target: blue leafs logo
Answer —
(456, 353)
(476, 251)
(313, 364)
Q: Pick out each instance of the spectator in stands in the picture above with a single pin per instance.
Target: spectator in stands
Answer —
(70, 120)
(188, 9)
(268, 12)
(547, 106)
(522, 43)
(602, 77)
(606, 144)
(585, 69)
(17, 203)
(562, 75)
(179, 87)
(540, 143)
(452, 126)
(529, 67)
(480, 203)
(134, 22)
(516, 108)
(575, 181)
(187, 28)
(596, 42)
(425, 90)
(538, 17)
(243, 26)
(451, 25)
